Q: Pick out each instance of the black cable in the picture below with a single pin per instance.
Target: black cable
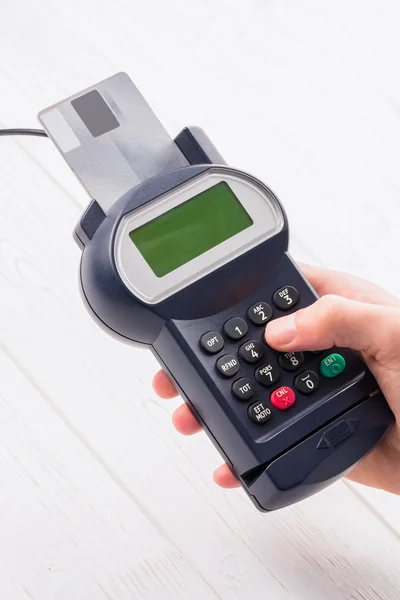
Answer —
(36, 132)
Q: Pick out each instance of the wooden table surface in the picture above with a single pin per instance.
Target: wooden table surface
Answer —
(100, 498)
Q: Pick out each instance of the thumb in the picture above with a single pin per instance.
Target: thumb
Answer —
(335, 321)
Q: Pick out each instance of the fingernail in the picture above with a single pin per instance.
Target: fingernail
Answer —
(282, 331)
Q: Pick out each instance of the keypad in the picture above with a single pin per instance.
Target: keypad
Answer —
(278, 380)
(236, 328)
(251, 351)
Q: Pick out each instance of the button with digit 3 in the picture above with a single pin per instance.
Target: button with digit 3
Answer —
(260, 313)
(307, 382)
(228, 365)
(267, 375)
(212, 342)
(244, 388)
(251, 351)
(236, 328)
(286, 297)
(283, 398)
(290, 361)
(260, 413)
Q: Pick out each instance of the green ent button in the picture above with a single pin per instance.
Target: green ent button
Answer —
(332, 365)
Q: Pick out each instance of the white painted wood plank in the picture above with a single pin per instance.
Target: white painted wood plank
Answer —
(326, 133)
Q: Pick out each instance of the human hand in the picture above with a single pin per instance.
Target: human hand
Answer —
(351, 313)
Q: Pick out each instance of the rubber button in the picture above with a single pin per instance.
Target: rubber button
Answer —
(290, 361)
(228, 365)
(212, 342)
(286, 297)
(251, 351)
(244, 388)
(283, 398)
(307, 382)
(260, 313)
(332, 365)
(260, 413)
(236, 328)
(267, 375)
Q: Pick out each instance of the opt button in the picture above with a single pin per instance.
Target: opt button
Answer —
(283, 398)
(332, 365)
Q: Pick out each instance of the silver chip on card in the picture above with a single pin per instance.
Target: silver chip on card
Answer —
(111, 138)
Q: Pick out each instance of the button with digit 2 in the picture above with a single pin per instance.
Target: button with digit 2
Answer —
(260, 313)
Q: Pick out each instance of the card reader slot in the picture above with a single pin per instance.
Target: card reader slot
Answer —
(251, 476)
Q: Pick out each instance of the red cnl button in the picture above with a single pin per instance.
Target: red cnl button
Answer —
(283, 397)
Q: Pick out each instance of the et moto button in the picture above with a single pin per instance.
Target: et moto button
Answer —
(260, 413)
(286, 297)
(251, 351)
(235, 328)
(260, 313)
(283, 398)
(212, 342)
(228, 365)
(332, 365)
(244, 389)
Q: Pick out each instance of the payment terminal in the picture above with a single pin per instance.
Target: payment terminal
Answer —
(187, 256)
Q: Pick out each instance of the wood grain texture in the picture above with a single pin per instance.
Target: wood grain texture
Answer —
(100, 498)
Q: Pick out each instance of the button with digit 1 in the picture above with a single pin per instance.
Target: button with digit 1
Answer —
(235, 328)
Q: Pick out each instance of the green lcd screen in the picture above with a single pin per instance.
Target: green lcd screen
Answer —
(190, 229)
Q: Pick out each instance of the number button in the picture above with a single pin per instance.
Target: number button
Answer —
(290, 361)
(260, 313)
(266, 375)
(244, 389)
(212, 342)
(286, 298)
(307, 382)
(236, 328)
(228, 365)
(260, 413)
(251, 351)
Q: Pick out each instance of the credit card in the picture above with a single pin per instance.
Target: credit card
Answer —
(111, 138)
